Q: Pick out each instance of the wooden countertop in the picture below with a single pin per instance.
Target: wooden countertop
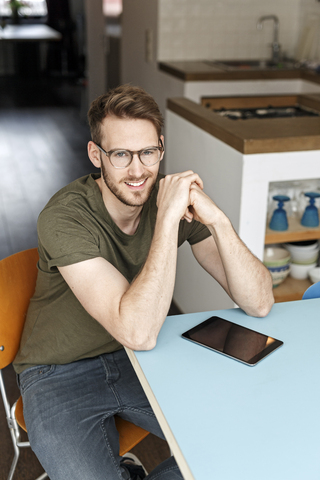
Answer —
(206, 71)
(256, 135)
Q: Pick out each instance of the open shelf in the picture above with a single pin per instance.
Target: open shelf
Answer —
(290, 290)
(295, 233)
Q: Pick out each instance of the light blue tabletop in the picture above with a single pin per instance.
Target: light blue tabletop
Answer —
(235, 422)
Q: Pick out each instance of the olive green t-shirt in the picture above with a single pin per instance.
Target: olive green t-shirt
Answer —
(75, 226)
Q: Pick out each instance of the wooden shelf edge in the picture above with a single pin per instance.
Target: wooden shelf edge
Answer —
(295, 233)
(290, 290)
(285, 237)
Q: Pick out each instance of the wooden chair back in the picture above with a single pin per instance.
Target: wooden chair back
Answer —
(18, 276)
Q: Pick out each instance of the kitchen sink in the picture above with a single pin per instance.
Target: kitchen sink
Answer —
(253, 65)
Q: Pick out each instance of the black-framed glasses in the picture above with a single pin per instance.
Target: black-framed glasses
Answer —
(121, 158)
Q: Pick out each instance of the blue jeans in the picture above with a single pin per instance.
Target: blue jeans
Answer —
(69, 412)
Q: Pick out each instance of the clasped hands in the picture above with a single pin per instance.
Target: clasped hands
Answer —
(182, 194)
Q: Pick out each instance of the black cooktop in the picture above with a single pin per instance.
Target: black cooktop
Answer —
(266, 112)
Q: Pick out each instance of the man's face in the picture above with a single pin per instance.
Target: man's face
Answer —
(131, 185)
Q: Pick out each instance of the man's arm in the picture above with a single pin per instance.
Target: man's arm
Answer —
(134, 313)
(246, 280)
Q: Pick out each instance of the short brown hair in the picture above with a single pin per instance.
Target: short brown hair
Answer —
(125, 101)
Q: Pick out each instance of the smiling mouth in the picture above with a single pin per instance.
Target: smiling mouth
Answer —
(136, 184)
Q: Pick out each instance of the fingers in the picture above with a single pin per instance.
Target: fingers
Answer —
(196, 186)
(189, 175)
(174, 194)
(195, 179)
(188, 216)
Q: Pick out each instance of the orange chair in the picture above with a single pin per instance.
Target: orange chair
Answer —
(18, 274)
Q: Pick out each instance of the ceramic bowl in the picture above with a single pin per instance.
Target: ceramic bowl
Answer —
(307, 245)
(314, 274)
(305, 258)
(276, 256)
(279, 274)
(300, 272)
(304, 254)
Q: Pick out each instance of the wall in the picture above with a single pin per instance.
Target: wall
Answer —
(309, 31)
(95, 49)
(205, 29)
(216, 29)
(138, 17)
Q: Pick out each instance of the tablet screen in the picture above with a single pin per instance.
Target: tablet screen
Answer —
(233, 340)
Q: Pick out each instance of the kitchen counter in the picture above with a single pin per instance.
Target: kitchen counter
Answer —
(256, 135)
(206, 71)
(238, 159)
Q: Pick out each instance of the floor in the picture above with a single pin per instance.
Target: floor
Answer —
(43, 138)
(42, 148)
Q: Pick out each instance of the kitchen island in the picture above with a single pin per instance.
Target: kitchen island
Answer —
(206, 70)
(255, 135)
(237, 161)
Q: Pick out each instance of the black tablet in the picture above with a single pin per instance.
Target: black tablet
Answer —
(233, 340)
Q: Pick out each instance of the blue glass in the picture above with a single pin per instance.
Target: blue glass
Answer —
(310, 218)
(279, 219)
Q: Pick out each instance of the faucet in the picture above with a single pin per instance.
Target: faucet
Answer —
(275, 44)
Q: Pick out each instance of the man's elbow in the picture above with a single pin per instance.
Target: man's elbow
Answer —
(266, 298)
(140, 342)
(262, 308)
(266, 307)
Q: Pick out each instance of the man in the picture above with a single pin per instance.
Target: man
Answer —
(108, 251)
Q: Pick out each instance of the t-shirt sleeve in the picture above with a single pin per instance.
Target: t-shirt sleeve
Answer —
(65, 237)
(193, 232)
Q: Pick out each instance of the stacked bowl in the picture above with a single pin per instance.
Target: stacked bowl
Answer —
(304, 257)
(314, 274)
(277, 261)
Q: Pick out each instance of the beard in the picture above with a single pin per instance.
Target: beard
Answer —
(137, 198)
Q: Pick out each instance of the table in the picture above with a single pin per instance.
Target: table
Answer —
(227, 421)
(29, 33)
(26, 41)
